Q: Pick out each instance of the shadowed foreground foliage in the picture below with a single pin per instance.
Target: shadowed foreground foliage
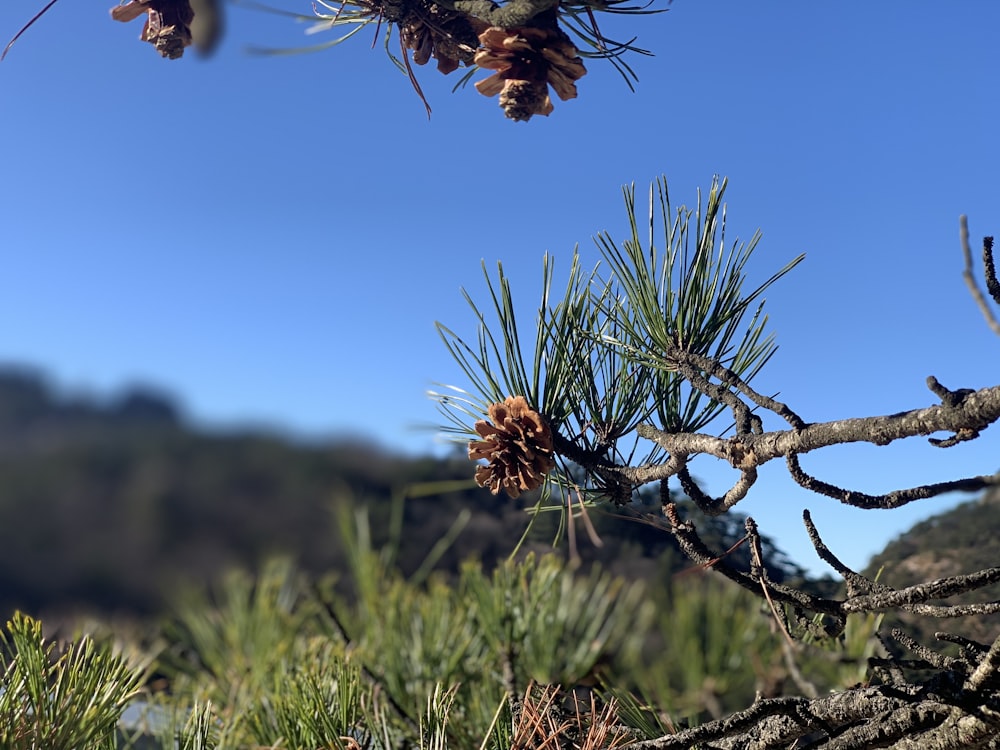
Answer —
(485, 660)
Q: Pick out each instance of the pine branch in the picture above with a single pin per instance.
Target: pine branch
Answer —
(964, 417)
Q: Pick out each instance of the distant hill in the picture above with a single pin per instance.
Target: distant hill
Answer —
(33, 414)
(962, 540)
(112, 504)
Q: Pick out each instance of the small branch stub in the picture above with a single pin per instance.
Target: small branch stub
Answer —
(517, 444)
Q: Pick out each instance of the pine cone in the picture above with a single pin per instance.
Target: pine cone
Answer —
(167, 27)
(433, 31)
(517, 446)
(528, 60)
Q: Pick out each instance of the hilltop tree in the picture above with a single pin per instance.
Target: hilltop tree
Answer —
(631, 376)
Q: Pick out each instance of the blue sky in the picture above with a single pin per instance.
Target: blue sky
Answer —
(272, 239)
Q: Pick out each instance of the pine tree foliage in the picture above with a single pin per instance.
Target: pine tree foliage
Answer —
(55, 698)
(644, 369)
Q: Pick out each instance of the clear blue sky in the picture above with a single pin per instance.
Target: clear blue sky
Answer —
(272, 239)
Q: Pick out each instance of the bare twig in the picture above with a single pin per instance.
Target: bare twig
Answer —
(992, 284)
(923, 592)
(690, 364)
(24, 28)
(970, 279)
(759, 571)
(894, 499)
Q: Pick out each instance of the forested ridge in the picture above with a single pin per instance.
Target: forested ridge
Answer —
(113, 505)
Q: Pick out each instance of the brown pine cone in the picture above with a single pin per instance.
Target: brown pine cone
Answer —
(517, 446)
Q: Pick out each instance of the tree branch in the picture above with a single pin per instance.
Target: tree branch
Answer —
(509, 15)
(964, 413)
(956, 707)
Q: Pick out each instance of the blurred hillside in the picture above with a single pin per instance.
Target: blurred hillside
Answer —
(962, 540)
(110, 505)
